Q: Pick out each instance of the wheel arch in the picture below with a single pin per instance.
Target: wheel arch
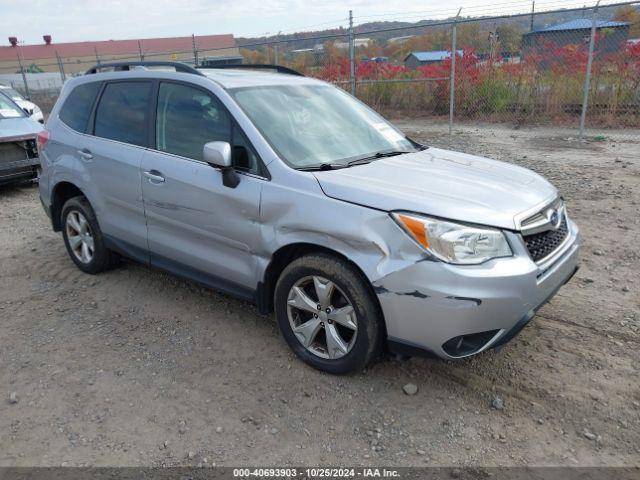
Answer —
(62, 192)
(287, 254)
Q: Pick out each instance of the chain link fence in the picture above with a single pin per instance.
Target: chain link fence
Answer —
(517, 70)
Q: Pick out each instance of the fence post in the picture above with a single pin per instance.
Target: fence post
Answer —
(24, 76)
(195, 50)
(61, 67)
(352, 60)
(140, 51)
(275, 49)
(587, 78)
(95, 49)
(452, 73)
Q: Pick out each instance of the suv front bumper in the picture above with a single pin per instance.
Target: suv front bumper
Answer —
(455, 311)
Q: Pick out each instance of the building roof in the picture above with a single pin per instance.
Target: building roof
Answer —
(401, 39)
(580, 24)
(357, 42)
(116, 47)
(433, 56)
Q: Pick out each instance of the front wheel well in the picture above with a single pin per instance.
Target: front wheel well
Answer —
(62, 192)
(287, 254)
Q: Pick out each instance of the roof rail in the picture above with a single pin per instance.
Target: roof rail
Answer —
(124, 66)
(255, 66)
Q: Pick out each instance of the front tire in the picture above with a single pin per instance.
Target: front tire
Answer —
(327, 314)
(83, 237)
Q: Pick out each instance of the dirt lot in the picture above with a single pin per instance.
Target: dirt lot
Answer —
(137, 367)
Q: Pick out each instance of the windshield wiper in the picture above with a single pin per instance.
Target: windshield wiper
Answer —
(357, 161)
(322, 167)
(375, 156)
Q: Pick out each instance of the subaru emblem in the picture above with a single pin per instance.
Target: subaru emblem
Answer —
(553, 217)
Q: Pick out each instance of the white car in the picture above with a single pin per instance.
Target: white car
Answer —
(29, 107)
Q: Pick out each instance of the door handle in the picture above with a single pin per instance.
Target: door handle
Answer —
(85, 154)
(154, 176)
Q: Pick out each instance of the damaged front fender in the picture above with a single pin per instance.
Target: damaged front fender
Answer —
(367, 237)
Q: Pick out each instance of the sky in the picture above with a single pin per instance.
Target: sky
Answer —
(70, 21)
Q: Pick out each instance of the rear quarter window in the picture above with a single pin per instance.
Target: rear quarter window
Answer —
(76, 109)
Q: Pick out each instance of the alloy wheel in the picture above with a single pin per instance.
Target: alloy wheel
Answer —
(322, 317)
(80, 236)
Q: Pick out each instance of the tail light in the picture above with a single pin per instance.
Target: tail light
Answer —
(41, 140)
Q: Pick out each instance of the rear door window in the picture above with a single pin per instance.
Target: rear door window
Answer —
(77, 107)
(123, 112)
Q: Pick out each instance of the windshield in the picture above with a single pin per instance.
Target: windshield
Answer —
(314, 125)
(12, 94)
(8, 109)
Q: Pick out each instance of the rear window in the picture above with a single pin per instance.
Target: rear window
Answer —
(122, 112)
(77, 107)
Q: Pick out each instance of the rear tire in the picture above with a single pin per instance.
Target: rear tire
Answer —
(328, 314)
(83, 237)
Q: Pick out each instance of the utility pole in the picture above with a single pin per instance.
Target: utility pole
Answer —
(587, 78)
(195, 50)
(452, 73)
(533, 11)
(352, 61)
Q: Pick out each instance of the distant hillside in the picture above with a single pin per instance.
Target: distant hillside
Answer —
(302, 39)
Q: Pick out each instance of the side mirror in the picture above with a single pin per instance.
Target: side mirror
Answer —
(26, 110)
(218, 154)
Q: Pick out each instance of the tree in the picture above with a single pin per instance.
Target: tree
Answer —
(631, 14)
(435, 40)
(509, 37)
(331, 52)
(469, 35)
(373, 49)
(33, 68)
(253, 56)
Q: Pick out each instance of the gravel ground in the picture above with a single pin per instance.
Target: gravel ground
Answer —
(137, 367)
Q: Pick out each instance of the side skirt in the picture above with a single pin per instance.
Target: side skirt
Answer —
(141, 255)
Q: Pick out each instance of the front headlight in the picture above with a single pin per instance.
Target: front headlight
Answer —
(453, 242)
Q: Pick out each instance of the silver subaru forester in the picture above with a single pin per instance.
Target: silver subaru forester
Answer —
(288, 192)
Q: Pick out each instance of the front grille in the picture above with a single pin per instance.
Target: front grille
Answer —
(540, 216)
(541, 245)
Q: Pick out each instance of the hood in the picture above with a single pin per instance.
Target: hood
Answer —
(441, 183)
(18, 128)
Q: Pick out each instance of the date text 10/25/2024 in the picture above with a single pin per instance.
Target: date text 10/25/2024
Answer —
(315, 473)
